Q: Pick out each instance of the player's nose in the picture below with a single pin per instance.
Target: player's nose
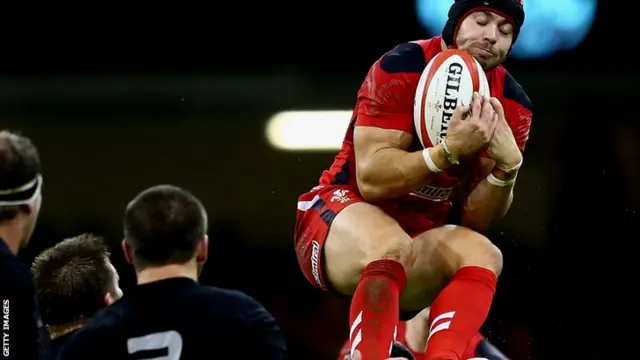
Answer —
(491, 34)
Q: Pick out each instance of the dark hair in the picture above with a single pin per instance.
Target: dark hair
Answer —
(163, 225)
(72, 278)
(19, 164)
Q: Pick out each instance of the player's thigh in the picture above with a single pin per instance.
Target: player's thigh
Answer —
(359, 234)
(337, 234)
(439, 253)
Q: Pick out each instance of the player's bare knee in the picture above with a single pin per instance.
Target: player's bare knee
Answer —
(396, 247)
(487, 255)
(478, 250)
(393, 247)
(401, 250)
(359, 235)
(344, 275)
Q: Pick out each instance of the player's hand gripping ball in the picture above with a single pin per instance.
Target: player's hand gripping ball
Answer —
(448, 81)
(452, 88)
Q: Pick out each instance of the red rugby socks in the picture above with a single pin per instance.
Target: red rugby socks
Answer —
(375, 309)
(458, 312)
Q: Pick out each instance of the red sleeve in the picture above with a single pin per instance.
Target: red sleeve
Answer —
(517, 110)
(385, 99)
(519, 120)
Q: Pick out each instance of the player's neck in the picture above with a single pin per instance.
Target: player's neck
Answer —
(152, 274)
(11, 234)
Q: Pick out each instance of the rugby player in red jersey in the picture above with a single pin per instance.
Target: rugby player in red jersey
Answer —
(413, 334)
(374, 227)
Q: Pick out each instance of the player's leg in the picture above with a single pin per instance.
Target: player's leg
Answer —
(452, 265)
(366, 253)
(416, 332)
(456, 270)
(359, 250)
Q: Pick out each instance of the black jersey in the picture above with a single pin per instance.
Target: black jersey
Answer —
(178, 319)
(55, 345)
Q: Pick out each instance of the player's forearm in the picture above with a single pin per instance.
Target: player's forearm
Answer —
(390, 172)
(486, 203)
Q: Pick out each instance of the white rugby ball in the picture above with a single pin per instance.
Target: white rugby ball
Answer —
(447, 82)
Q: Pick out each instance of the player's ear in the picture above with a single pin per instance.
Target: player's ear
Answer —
(33, 207)
(27, 209)
(203, 250)
(128, 253)
(108, 299)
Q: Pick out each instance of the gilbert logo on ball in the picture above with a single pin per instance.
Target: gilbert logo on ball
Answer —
(447, 82)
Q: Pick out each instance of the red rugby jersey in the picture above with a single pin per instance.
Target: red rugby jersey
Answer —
(385, 100)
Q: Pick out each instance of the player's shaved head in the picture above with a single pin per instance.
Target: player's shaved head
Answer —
(163, 225)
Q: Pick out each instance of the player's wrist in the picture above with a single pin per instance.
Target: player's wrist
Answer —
(502, 175)
(499, 178)
(436, 159)
(441, 157)
(512, 164)
(505, 173)
(450, 154)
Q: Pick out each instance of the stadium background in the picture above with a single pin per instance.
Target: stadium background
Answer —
(122, 97)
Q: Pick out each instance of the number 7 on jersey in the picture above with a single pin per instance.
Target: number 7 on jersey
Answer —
(166, 345)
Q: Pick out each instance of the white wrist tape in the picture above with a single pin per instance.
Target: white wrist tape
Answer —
(501, 183)
(430, 164)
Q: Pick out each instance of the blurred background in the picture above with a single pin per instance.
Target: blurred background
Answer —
(119, 98)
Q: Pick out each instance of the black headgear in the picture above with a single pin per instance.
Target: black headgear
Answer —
(512, 10)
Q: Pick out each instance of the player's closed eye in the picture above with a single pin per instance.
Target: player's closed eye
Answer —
(506, 29)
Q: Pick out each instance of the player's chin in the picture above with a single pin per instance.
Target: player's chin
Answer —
(488, 62)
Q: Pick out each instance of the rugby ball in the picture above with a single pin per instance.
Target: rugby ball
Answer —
(447, 82)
